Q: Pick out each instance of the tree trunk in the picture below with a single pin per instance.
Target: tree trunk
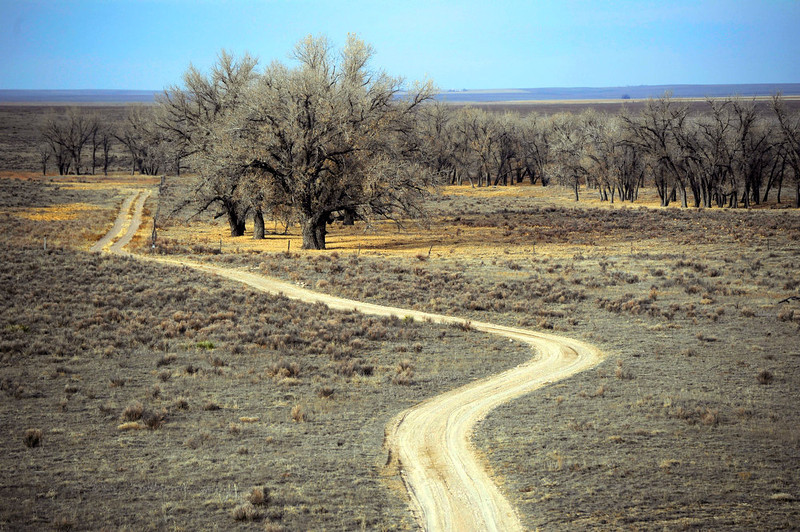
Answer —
(684, 202)
(797, 195)
(349, 217)
(235, 222)
(258, 225)
(314, 231)
(576, 190)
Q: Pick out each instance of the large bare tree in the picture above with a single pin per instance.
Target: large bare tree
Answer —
(331, 136)
(204, 121)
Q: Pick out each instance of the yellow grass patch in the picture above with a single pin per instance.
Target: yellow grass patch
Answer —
(54, 213)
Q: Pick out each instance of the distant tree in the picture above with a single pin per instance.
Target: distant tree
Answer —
(752, 150)
(81, 127)
(105, 136)
(712, 152)
(569, 145)
(657, 133)
(789, 124)
(55, 134)
(144, 141)
(67, 135)
(436, 132)
(45, 152)
(534, 150)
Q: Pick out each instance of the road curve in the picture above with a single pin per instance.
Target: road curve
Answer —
(429, 443)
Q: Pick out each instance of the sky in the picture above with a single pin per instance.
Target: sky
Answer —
(468, 44)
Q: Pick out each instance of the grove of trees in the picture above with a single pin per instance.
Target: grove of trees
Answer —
(328, 138)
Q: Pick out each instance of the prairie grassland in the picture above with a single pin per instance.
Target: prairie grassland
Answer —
(691, 423)
(139, 396)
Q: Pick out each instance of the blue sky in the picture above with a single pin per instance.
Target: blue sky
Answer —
(144, 44)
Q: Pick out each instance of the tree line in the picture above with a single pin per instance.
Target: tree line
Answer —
(331, 139)
(733, 154)
(78, 142)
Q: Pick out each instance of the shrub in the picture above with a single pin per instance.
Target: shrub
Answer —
(133, 412)
(465, 325)
(210, 406)
(284, 369)
(153, 420)
(246, 512)
(765, 377)
(348, 368)
(166, 360)
(298, 415)
(259, 496)
(181, 404)
(404, 373)
(33, 438)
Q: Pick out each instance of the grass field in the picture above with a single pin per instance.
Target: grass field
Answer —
(179, 394)
(691, 423)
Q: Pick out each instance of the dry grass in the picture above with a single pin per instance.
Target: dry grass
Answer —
(97, 349)
(674, 431)
(686, 301)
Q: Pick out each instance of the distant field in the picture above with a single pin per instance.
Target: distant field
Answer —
(454, 96)
(548, 107)
(617, 93)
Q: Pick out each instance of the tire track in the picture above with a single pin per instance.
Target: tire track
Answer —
(429, 443)
(119, 224)
(136, 220)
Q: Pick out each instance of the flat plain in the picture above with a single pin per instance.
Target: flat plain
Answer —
(691, 421)
(142, 396)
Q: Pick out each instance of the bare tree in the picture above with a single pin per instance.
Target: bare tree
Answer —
(55, 133)
(534, 149)
(331, 136)
(657, 132)
(105, 136)
(436, 132)
(790, 131)
(144, 140)
(45, 152)
(80, 128)
(204, 120)
(569, 142)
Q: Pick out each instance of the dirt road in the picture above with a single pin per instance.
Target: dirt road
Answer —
(430, 443)
(119, 224)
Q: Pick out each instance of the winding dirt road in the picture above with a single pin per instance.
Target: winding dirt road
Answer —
(430, 442)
